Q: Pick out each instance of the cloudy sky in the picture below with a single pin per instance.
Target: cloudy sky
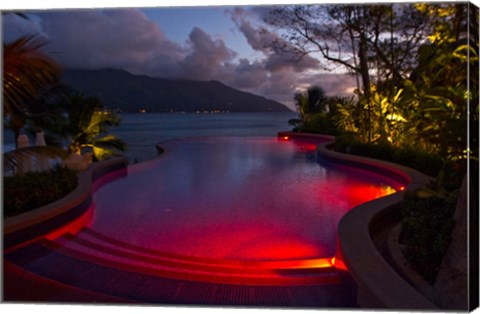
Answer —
(222, 43)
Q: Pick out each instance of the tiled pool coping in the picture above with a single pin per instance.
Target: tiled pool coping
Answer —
(379, 285)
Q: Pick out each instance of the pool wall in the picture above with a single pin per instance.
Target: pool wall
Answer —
(362, 228)
(27, 227)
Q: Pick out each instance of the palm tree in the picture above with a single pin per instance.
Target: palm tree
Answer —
(301, 103)
(316, 99)
(27, 72)
(87, 127)
(309, 103)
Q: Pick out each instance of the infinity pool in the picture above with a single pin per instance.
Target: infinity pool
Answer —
(245, 198)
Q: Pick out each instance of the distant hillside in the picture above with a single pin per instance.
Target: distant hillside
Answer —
(132, 93)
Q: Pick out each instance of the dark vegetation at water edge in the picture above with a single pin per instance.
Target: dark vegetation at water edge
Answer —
(422, 161)
(31, 190)
(426, 231)
(428, 220)
(119, 89)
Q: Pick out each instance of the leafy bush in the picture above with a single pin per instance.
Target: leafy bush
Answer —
(413, 158)
(318, 123)
(427, 225)
(420, 160)
(31, 190)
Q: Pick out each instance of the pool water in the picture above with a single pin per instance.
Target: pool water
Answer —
(234, 198)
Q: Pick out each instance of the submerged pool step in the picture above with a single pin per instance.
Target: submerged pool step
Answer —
(55, 266)
(292, 265)
(97, 248)
(299, 265)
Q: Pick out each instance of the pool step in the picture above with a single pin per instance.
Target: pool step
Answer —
(122, 285)
(97, 248)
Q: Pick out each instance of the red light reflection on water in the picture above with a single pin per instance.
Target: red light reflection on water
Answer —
(301, 145)
(359, 193)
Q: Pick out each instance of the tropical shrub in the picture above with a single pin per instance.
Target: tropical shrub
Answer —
(420, 160)
(87, 125)
(319, 123)
(426, 230)
(24, 192)
(324, 116)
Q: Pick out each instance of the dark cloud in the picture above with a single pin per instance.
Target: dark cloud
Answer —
(207, 56)
(122, 38)
(261, 39)
(249, 75)
(276, 62)
(281, 85)
(256, 38)
(336, 84)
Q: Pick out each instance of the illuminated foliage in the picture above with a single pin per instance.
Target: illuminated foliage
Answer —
(87, 127)
(441, 93)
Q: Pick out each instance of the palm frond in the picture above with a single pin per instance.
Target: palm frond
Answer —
(111, 141)
(26, 72)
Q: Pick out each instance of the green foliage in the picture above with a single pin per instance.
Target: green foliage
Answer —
(440, 87)
(347, 115)
(415, 158)
(348, 143)
(320, 123)
(31, 190)
(421, 160)
(87, 125)
(426, 230)
(323, 117)
(310, 102)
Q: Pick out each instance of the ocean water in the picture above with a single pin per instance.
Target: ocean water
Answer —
(143, 131)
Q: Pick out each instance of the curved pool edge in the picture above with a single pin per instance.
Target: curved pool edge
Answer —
(379, 285)
(32, 225)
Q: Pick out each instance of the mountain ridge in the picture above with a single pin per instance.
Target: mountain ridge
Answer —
(119, 89)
